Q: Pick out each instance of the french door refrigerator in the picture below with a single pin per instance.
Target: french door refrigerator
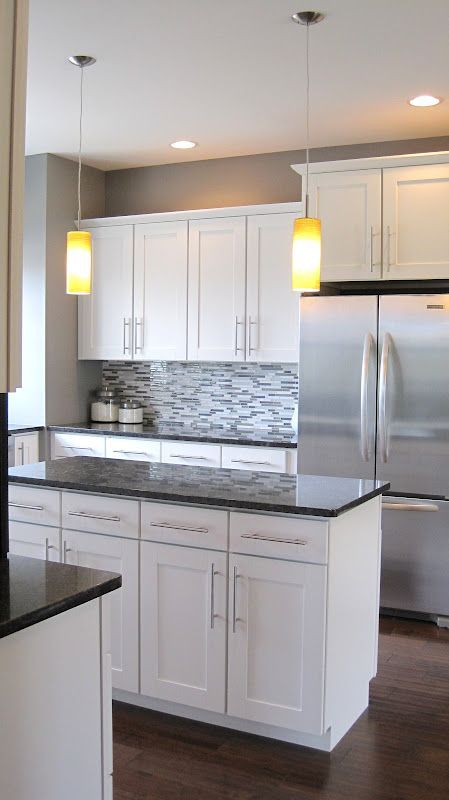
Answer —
(374, 403)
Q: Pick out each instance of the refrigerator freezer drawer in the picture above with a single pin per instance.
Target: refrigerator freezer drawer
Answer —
(415, 555)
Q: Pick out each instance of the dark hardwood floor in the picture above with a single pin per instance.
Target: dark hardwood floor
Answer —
(398, 749)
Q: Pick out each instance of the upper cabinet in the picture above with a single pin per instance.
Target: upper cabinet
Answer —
(382, 218)
(217, 289)
(206, 289)
(105, 317)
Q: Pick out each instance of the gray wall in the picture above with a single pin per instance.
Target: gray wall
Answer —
(244, 180)
(55, 385)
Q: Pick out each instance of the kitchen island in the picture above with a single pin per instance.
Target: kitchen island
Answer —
(55, 696)
(249, 600)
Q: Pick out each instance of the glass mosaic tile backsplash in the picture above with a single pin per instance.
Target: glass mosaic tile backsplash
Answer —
(240, 397)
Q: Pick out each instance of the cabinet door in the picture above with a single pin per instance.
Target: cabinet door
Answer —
(66, 445)
(105, 317)
(35, 541)
(349, 206)
(216, 309)
(276, 642)
(114, 554)
(26, 449)
(272, 307)
(416, 222)
(183, 625)
(160, 291)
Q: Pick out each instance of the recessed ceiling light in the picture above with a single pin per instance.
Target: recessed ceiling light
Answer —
(423, 100)
(183, 144)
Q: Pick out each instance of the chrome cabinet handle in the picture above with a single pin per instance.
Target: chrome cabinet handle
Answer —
(390, 233)
(134, 453)
(387, 506)
(92, 516)
(195, 458)
(256, 463)
(23, 505)
(138, 323)
(372, 263)
(212, 595)
(65, 551)
(234, 601)
(263, 538)
(251, 322)
(237, 349)
(48, 547)
(72, 447)
(126, 329)
(21, 447)
(364, 444)
(383, 398)
(178, 527)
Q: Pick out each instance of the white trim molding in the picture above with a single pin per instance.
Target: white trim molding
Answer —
(376, 162)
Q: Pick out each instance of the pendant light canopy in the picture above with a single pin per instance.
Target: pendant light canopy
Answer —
(79, 244)
(306, 250)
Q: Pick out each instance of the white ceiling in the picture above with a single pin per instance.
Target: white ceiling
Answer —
(229, 74)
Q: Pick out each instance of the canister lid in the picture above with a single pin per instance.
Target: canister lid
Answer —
(106, 393)
(130, 403)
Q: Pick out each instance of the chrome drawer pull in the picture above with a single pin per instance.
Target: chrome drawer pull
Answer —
(273, 539)
(196, 458)
(92, 516)
(178, 527)
(134, 453)
(48, 547)
(29, 508)
(409, 506)
(256, 463)
(235, 576)
(73, 447)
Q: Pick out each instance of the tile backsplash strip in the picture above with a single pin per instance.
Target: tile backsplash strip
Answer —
(240, 397)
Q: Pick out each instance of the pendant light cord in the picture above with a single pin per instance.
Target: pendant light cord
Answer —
(307, 117)
(79, 150)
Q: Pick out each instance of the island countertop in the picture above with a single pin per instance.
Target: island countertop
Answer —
(32, 590)
(306, 495)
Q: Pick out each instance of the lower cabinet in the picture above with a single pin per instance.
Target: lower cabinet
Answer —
(276, 642)
(183, 625)
(26, 449)
(114, 554)
(35, 541)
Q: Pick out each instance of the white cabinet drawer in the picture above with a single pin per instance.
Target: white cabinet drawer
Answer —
(74, 444)
(133, 449)
(279, 537)
(30, 504)
(198, 455)
(100, 514)
(195, 527)
(261, 459)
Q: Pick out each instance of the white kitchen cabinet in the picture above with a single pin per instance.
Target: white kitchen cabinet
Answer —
(349, 206)
(195, 454)
(416, 222)
(276, 642)
(66, 445)
(160, 291)
(26, 448)
(183, 625)
(114, 554)
(272, 308)
(216, 295)
(259, 459)
(35, 541)
(133, 449)
(105, 317)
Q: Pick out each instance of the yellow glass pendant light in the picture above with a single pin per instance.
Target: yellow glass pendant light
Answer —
(306, 249)
(79, 244)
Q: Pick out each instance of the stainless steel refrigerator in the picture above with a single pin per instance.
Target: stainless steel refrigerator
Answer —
(374, 402)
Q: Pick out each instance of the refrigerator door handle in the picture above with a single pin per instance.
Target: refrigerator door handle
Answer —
(409, 506)
(383, 398)
(364, 376)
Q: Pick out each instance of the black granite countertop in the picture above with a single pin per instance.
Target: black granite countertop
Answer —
(24, 428)
(32, 590)
(309, 495)
(181, 433)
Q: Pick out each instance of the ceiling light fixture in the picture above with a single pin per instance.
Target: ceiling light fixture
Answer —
(183, 144)
(79, 244)
(424, 100)
(306, 250)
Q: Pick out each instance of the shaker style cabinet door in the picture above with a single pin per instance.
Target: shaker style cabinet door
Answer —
(276, 642)
(216, 304)
(183, 625)
(160, 291)
(272, 306)
(114, 554)
(105, 317)
(416, 222)
(349, 206)
(34, 541)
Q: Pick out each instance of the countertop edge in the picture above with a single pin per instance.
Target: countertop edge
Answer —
(54, 609)
(191, 500)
